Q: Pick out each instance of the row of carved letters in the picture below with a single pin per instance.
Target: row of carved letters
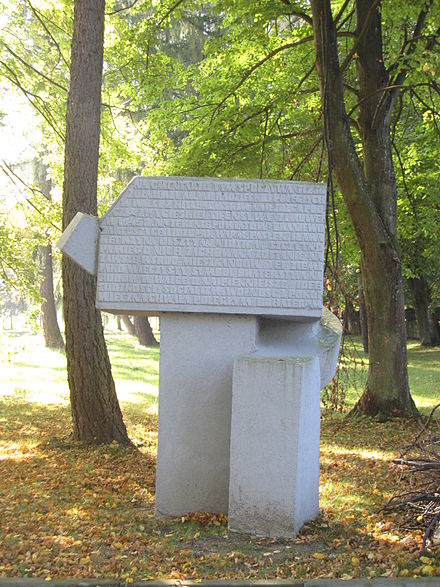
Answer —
(149, 216)
(143, 279)
(285, 261)
(207, 205)
(144, 185)
(291, 289)
(119, 236)
(224, 249)
(282, 241)
(110, 225)
(215, 301)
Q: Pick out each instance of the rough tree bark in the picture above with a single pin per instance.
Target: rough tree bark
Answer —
(419, 290)
(144, 331)
(96, 414)
(369, 191)
(363, 318)
(51, 330)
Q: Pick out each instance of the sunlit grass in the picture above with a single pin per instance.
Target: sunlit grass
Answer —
(423, 373)
(31, 372)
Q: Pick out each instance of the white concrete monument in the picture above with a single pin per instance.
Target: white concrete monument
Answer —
(234, 268)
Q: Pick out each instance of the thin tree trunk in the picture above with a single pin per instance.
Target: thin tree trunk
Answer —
(363, 318)
(118, 323)
(419, 290)
(435, 327)
(128, 324)
(144, 331)
(96, 414)
(51, 330)
(351, 318)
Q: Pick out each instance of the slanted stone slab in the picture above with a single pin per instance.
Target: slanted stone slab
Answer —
(214, 245)
(80, 240)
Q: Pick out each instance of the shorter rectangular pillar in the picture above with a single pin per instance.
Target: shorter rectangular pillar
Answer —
(274, 462)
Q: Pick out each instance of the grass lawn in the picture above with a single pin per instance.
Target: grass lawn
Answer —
(67, 511)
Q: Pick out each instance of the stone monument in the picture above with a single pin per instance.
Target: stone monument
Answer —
(234, 268)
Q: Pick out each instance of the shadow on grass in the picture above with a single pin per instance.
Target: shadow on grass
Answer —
(21, 419)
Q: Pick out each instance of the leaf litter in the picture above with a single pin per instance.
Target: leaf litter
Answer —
(88, 512)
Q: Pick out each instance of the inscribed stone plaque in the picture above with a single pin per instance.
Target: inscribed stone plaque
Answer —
(214, 245)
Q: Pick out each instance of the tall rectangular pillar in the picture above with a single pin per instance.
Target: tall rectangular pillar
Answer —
(274, 465)
(197, 352)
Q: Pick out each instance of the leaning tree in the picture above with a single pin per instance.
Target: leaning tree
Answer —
(362, 162)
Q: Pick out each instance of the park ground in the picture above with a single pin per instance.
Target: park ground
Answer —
(70, 511)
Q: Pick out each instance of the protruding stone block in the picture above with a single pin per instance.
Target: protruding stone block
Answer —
(274, 465)
(80, 241)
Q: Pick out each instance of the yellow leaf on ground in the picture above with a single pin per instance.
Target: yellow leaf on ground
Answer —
(319, 555)
(428, 570)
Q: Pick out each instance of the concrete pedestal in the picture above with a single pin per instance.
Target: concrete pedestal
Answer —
(274, 465)
(197, 353)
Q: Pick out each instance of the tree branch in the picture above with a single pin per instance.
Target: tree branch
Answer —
(8, 172)
(301, 15)
(122, 9)
(45, 111)
(411, 44)
(263, 144)
(262, 61)
(360, 36)
(170, 11)
(52, 38)
(32, 68)
(341, 12)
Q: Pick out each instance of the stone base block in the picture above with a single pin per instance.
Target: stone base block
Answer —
(274, 463)
(197, 353)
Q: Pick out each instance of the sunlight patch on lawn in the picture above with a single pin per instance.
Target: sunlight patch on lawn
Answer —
(20, 450)
(31, 372)
(367, 454)
(136, 392)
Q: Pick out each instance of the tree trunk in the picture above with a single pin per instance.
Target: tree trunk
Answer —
(387, 390)
(118, 323)
(351, 318)
(96, 414)
(419, 290)
(363, 318)
(128, 324)
(435, 327)
(370, 193)
(144, 331)
(51, 329)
